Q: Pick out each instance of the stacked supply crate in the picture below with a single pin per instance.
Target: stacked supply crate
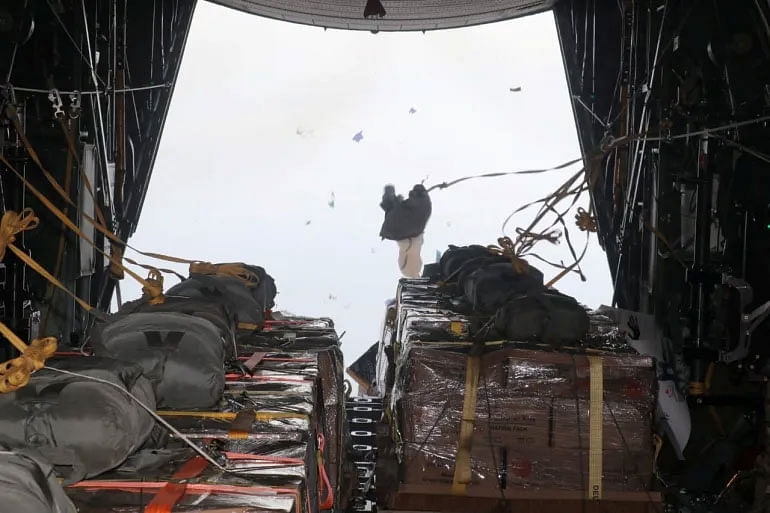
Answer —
(476, 417)
(275, 437)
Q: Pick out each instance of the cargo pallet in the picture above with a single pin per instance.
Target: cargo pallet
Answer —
(413, 498)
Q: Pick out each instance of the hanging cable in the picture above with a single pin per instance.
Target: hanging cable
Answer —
(445, 185)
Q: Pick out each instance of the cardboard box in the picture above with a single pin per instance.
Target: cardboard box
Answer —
(514, 421)
(630, 428)
(495, 467)
(567, 469)
(434, 465)
(527, 373)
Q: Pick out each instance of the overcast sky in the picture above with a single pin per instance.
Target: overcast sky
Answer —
(260, 135)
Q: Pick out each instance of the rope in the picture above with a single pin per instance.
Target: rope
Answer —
(11, 225)
(585, 221)
(507, 248)
(72, 226)
(445, 185)
(15, 373)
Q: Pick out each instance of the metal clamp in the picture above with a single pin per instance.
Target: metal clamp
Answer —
(74, 105)
(749, 321)
(56, 102)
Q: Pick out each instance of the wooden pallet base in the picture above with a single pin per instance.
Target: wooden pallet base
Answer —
(419, 498)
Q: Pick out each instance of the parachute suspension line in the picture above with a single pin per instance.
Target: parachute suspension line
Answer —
(445, 185)
(527, 238)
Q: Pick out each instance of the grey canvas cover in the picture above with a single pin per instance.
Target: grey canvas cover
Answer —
(28, 484)
(246, 303)
(548, 317)
(182, 355)
(82, 426)
(490, 286)
(216, 313)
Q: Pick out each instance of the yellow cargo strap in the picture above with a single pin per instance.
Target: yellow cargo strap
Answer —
(234, 270)
(595, 419)
(658, 442)
(101, 224)
(147, 285)
(11, 225)
(508, 249)
(259, 416)
(15, 373)
(463, 475)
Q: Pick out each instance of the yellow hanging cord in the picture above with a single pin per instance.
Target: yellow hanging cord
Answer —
(15, 373)
(12, 224)
(72, 226)
(99, 225)
(117, 245)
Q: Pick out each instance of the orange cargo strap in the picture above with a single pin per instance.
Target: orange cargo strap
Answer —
(323, 478)
(259, 416)
(192, 488)
(174, 490)
(462, 475)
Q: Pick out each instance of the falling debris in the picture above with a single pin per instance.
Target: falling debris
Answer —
(304, 132)
(358, 136)
(331, 200)
(373, 251)
(515, 89)
(307, 223)
(412, 110)
(332, 297)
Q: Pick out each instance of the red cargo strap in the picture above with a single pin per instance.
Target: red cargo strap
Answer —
(172, 492)
(323, 482)
(192, 488)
